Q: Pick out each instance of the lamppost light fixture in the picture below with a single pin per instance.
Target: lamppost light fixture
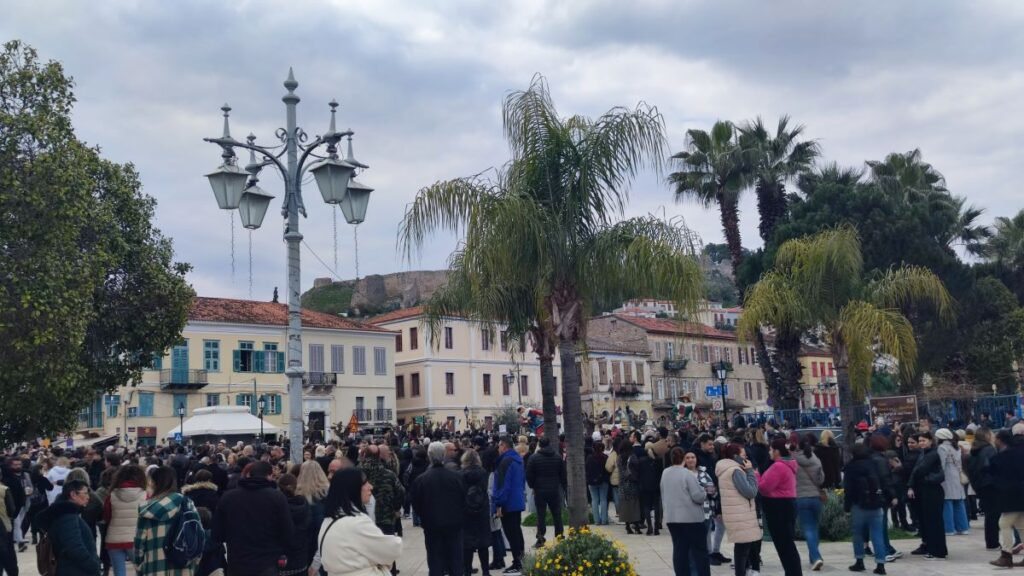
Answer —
(181, 410)
(353, 204)
(228, 181)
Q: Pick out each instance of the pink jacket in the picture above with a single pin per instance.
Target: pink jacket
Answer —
(779, 480)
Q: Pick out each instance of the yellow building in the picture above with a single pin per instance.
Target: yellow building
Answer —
(817, 378)
(233, 353)
(680, 360)
(467, 369)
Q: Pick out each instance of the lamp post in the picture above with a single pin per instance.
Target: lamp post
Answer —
(127, 403)
(466, 412)
(181, 421)
(261, 403)
(235, 188)
(721, 371)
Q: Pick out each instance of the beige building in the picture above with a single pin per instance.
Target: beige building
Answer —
(233, 353)
(680, 361)
(615, 382)
(465, 371)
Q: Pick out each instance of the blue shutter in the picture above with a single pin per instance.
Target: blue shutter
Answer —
(236, 360)
(239, 398)
(257, 364)
(280, 362)
(277, 403)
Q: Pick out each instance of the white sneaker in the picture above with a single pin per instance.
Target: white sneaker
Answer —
(817, 565)
(753, 572)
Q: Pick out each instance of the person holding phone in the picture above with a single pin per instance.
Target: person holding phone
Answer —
(737, 487)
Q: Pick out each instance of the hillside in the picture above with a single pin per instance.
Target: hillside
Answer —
(373, 294)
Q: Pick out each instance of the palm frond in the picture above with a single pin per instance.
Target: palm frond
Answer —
(530, 119)
(445, 205)
(773, 301)
(866, 327)
(911, 285)
(826, 267)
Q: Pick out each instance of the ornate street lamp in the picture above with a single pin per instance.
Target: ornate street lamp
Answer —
(722, 370)
(236, 188)
(262, 403)
(181, 421)
(466, 412)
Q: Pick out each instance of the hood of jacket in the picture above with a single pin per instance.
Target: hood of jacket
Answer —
(547, 451)
(59, 508)
(806, 462)
(511, 454)
(199, 486)
(127, 494)
(256, 484)
(161, 510)
(788, 462)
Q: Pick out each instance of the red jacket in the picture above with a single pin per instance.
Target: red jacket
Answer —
(779, 480)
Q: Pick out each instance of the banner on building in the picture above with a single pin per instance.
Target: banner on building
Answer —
(901, 409)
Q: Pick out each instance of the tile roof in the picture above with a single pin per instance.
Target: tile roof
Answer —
(400, 314)
(232, 311)
(808, 350)
(668, 326)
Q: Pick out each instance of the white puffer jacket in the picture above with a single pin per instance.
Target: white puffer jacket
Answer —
(739, 513)
(355, 546)
(124, 515)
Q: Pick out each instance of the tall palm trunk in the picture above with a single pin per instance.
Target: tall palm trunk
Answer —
(731, 227)
(572, 409)
(771, 205)
(847, 411)
(545, 355)
(786, 385)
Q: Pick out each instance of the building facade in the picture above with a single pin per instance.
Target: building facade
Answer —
(465, 371)
(817, 378)
(232, 352)
(615, 382)
(681, 359)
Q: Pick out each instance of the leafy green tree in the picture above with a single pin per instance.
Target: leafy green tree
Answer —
(88, 289)
(819, 281)
(992, 336)
(542, 241)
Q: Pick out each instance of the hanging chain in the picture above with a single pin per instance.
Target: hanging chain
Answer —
(334, 217)
(232, 247)
(250, 264)
(355, 232)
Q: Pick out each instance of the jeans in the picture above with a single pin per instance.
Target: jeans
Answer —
(871, 519)
(954, 517)
(599, 502)
(498, 543)
(746, 555)
(716, 534)
(119, 558)
(809, 512)
(689, 541)
(512, 525)
(444, 551)
(546, 501)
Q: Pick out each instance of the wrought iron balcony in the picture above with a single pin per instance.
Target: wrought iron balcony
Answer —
(627, 389)
(382, 415)
(714, 367)
(675, 365)
(180, 379)
(319, 380)
(363, 415)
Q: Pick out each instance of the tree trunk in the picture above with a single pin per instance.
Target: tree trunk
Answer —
(572, 414)
(545, 355)
(771, 205)
(765, 361)
(787, 379)
(731, 228)
(847, 410)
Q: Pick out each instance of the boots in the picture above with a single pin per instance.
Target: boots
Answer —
(650, 528)
(857, 566)
(879, 569)
(1005, 560)
(629, 528)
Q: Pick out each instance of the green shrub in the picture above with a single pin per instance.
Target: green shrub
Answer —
(531, 519)
(834, 525)
(580, 553)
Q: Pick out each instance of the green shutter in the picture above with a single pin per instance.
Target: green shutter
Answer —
(239, 399)
(280, 362)
(257, 364)
(236, 359)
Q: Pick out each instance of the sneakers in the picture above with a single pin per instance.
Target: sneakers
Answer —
(1005, 560)
(513, 571)
(933, 557)
(920, 551)
(963, 533)
(817, 565)
(22, 546)
(857, 566)
(895, 555)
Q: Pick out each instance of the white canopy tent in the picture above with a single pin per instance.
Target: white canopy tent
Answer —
(224, 421)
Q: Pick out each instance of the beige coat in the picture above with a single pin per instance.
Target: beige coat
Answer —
(124, 514)
(739, 514)
(612, 466)
(355, 546)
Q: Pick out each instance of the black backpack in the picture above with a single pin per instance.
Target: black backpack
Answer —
(476, 500)
(186, 538)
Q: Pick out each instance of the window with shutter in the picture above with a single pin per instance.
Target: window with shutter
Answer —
(414, 339)
(449, 339)
(487, 384)
(337, 359)
(485, 340)
(415, 384)
(145, 404)
(359, 360)
(400, 386)
(814, 369)
(449, 383)
(316, 357)
(380, 367)
(211, 355)
(525, 383)
(398, 342)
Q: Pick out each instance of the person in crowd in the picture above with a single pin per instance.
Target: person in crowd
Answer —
(628, 506)
(864, 499)
(658, 450)
(254, 523)
(476, 525)
(757, 448)
(684, 499)
(546, 476)
(202, 491)
(417, 466)
(156, 517)
(650, 479)
(777, 487)
(121, 515)
(508, 502)
(712, 504)
(56, 476)
(597, 484)
(297, 551)
(704, 448)
(926, 488)
(908, 459)
(828, 453)
(349, 541)
(879, 444)
(439, 498)
(38, 501)
(19, 486)
(8, 512)
(92, 513)
(74, 544)
(810, 497)
(982, 452)
(312, 484)
(611, 465)
(388, 492)
(737, 484)
(954, 514)
(1007, 469)
(898, 513)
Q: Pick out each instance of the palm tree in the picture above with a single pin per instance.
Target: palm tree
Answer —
(818, 281)
(1006, 247)
(713, 171)
(965, 230)
(773, 161)
(542, 240)
(907, 175)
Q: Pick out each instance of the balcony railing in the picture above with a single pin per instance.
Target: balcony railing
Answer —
(382, 415)
(182, 379)
(627, 389)
(675, 365)
(714, 368)
(319, 380)
(363, 414)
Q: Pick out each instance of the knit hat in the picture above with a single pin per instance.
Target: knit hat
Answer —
(943, 434)
(961, 434)
(1018, 429)
(596, 436)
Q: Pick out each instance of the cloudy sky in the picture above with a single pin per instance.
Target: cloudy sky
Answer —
(421, 83)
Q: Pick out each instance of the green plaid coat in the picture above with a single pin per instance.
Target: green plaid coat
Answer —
(155, 519)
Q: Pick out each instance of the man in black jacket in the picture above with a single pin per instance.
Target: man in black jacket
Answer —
(255, 524)
(439, 499)
(1007, 469)
(545, 474)
(926, 487)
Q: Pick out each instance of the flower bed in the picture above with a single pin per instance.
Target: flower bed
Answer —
(580, 553)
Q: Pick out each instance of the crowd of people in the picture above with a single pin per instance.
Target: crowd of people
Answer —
(342, 510)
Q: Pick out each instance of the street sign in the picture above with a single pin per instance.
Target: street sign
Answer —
(901, 409)
(712, 391)
(70, 443)
(177, 437)
(419, 419)
(502, 429)
(716, 404)
(353, 424)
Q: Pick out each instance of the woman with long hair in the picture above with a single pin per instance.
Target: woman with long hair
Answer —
(809, 496)
(155, 519)
(597, 483)
(982, 451)
(778, 499)
(926, 488)
(349, 540)
(828, 452)
(737, 484)
(954, 512)
(713, 503)
(313, 485)
(476, 524)
(121, 514)
(628, 506)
